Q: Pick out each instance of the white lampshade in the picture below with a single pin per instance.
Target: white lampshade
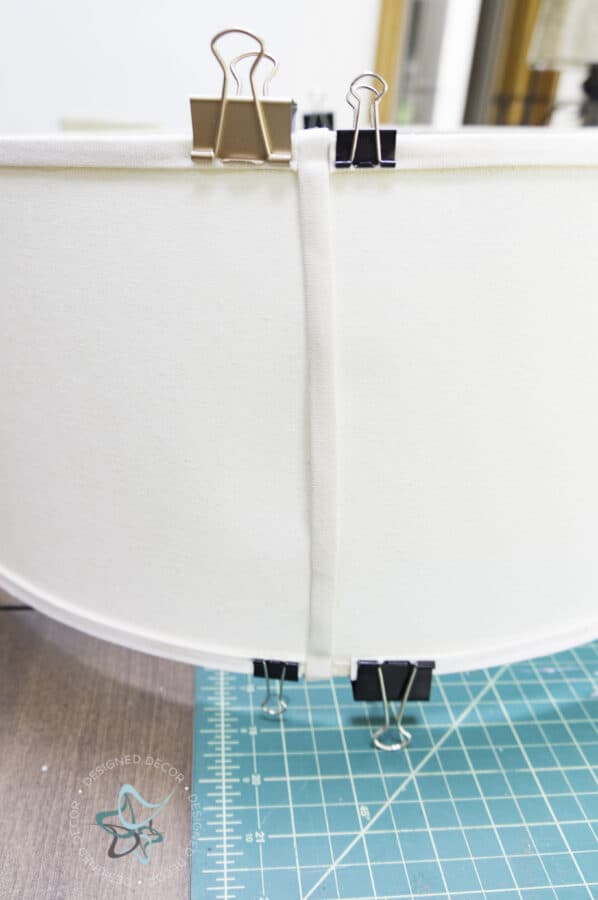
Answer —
(169, 423)
(566, 34)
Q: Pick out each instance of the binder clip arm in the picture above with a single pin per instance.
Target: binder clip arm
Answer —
(266, 82)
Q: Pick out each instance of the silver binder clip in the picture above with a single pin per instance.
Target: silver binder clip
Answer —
(254, 129)
(365, 147)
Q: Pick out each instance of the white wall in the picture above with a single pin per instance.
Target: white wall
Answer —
(139, 62)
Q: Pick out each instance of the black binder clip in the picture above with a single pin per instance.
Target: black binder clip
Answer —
(392, 680)
(366, 147)
(319, 120)
(281, 671)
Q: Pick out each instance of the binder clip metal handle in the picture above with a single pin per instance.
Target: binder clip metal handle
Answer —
(248, 55)
(274, 703)
(274, 708)
(357, 85)
(226, 69)
(355, 101)
(380, 737)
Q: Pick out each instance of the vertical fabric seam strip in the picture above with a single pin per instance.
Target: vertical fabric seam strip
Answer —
(319, 288)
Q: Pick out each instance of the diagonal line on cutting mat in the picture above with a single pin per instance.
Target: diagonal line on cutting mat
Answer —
(364, 830)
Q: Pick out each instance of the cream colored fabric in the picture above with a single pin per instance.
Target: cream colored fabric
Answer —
(321, 389)
(471, 148)
(153, 480)
(468, 323)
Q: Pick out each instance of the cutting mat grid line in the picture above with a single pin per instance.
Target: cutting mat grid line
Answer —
(497, 797)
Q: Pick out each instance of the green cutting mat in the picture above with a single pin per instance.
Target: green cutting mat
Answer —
(497, 797)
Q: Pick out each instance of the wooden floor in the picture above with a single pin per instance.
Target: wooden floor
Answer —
(71, 705)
